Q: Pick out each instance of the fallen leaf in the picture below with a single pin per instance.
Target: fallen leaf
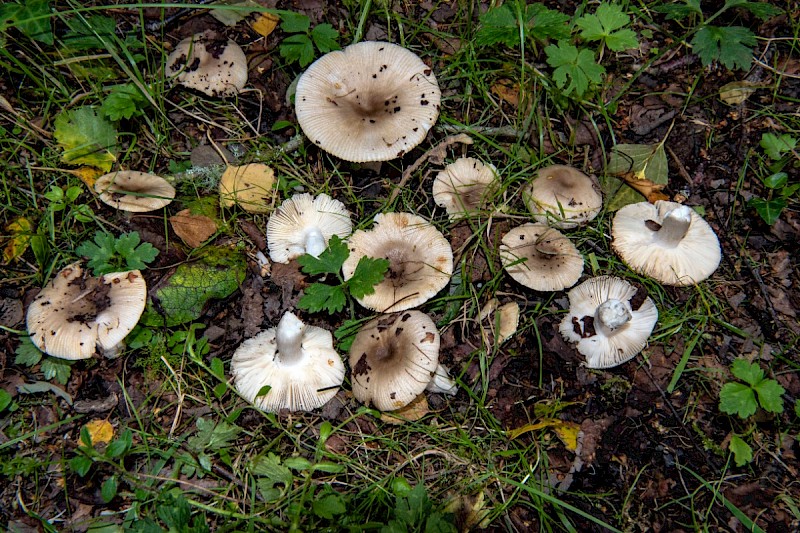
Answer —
(737, 92)
(193, 229)
(100, 431)
(86, 137)
(248, 186)
(231, 17)
(265, 23)
(88, 175)
(20, 231)
(506, 90)
(566, 431)
(645, 187)
(411, 412)
(643, 167)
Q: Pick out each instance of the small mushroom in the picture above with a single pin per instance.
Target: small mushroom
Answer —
(394, 358)
(609, 319)
(134, 191)
(372, 101)
(667, 241)
(420, 261)
(563, 197)
(464, 186)
(541, 258)
(76, 313)
(211, 64)
(303, 224)
(295, 360)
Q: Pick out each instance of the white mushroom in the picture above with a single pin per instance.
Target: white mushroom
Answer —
(208, 63)
(464, 186)
(563, 197)
(541, 258)
(134, 191)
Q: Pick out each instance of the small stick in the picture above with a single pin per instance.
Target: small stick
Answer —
(437, 152)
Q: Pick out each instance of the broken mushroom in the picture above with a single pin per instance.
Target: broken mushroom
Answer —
(76, 313)
(209, 63)
(303, 224)
(464, 186)
(541, 258)
(667, 241)
(420, 261)
(372, 101)
(609, 319)
(134, 191)
(296, 361)
(563, 197)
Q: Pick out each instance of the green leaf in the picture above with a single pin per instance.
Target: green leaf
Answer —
(330, 261)
(737, 398)
(31, 18)
(175, 513)
(80, 465)
(120, 446)
(732, 46)
(297, 463)
(325, 37)
(775, 146)
(58, 369)
(776, 181)
(770, 395)
(298, 48)
(136, 255)
(498, 26)
(647, 161)
(742, 453)
(762, 10)
(797, 408)
(5, 400)
(108, 490)
(746, 371)
(575, 69)
(677, 11)
(606, 25)
(44, 386)
(27, 353)
(329, 505)
(321, 297)
(86, 138)
(124, 101)
(211, 436)
(368, 273)
(292, 22)
(270, 472)
(768, 210)
(88, 33)
(544, 23)
(100, 253)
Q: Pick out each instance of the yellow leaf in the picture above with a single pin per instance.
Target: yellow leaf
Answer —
(248, 186)
(88, 175)
(566, 431)
(20, 229)
(100, 431)
(265, 23)
(411, 412)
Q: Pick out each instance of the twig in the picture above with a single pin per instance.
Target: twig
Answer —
(488, 131)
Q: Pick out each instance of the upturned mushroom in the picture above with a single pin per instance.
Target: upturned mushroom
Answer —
(211, 64)
(609, 320)
(563, 197)
(464, 186)
(372, 101)
(303, 224)
(541, 258)
(134, 191)
(76, 314)
(420, 261)
(394, 358)
(667, 241)
(296, 361)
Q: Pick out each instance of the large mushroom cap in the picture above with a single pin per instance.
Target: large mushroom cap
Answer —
(295, 360)
(420, 261)
(76, 313)
(372, 101)
(667, 241)
(609, 319)
(562, 196)
(208, 63)
(541, 258)
(304, 224)
(134, 191)
(393, 359)
(464, 186)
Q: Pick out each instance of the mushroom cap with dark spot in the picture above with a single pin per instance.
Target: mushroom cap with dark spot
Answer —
(211, 64)
(563, 197)
(541, 258)
(134, 191)
(464, 186)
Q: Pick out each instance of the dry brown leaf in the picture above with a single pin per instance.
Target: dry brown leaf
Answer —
(194, 230)
(648, 189)
(411, 412)
(506, 90)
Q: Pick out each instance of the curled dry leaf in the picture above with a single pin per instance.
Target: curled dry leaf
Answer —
(410, 413)
(647, 188)
(193, 229)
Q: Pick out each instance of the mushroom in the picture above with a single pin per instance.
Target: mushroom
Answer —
(541, 258)
(667, 241)
(394, 358)
(609, 319)
(134, 191)
(76, 313)
(372, 101)
(295, 360)
(303, 224)
(464, 186)
(420, 261)
(209, 63)
(562, 196)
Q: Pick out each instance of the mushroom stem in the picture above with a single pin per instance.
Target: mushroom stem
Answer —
(674, 226)
(315, 242)
(289, 339)
(611, 315)
(441, 382)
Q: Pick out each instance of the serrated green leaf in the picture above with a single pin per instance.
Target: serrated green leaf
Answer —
(292, 22)
(31, 18)
(606, 25)
(212, 436)
(762, 10)
(742, 453)
(368, 273)
(575, 69)
(270, 466)
(58, 369)
(27, 353)
(768, 210)
(325, 37)
(737, 398)
(544, 23)
(330, 261)
(748, 372)
(328, 506)
(321, 297)
(730, 45)
(775, 146)
(297, 463)
(770, 395)
(86, 138)
(677, 11)
(124, 101)
(297, 48)
(498, 26)
(135, 255)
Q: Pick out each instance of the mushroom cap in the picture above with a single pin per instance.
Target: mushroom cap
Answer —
(372, 101)
(300, 382)
(76, 312)
(464, 186)
(210, 64)
(541, 258)
(393, 359)
(134, 191)
(637, 239)
(420, 261)
(563, 197)
(602, 346)
(250, 186)
(304, 224)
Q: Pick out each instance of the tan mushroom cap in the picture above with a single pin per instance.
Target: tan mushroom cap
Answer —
(420, 261)
(304, 224)
(609, 319)
(667, 241)
(464, 186)
(372, 101)
(76, 313)
(210, 64)
(541, 258)
(296, 360)
(134, 191)
(393, 358)
(563, 197)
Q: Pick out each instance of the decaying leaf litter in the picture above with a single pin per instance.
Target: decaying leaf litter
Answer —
(532, 433)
